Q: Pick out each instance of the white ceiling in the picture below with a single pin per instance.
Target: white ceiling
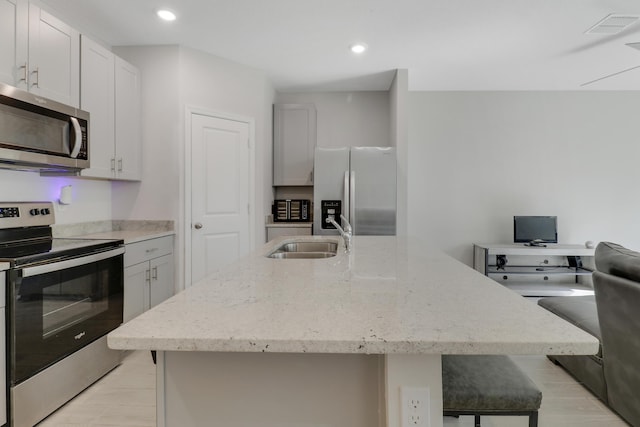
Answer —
(445, 44)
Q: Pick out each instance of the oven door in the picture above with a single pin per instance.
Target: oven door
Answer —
(58, 308)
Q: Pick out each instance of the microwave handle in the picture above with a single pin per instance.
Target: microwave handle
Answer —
(70, 263)
(77, 137)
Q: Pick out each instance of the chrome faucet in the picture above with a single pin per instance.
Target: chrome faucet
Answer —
(346, 233)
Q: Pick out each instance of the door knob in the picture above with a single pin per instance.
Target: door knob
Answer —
(197, 225)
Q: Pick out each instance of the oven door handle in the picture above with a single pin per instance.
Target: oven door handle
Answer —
(70, 263)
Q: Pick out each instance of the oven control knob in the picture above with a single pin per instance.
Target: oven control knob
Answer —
(34, 212)
(45, 211)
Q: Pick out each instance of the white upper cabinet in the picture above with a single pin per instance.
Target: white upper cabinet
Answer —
(54, 58)
(14, 30)
(98, 98)
(39, 53)
(294, 142)
(110, 90)
(128, 135)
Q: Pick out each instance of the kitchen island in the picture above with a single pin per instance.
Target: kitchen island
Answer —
(331, 342)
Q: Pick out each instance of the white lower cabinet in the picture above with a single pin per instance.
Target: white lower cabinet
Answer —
(148, 275)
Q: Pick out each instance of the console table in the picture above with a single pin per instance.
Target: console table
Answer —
(537, 271)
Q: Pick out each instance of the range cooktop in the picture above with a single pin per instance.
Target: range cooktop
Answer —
(26, 237)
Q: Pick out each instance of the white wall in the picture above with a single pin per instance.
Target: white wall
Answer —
(347, 118)
(219, 85)
(156, 197)
(91, 199)
(476, 159)
(174, 78)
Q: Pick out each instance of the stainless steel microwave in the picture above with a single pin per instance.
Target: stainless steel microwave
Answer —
(37, 133)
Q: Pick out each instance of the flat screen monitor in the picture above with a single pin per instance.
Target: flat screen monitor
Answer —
(535, 228)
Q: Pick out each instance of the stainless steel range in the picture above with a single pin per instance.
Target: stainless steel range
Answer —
(63, 297)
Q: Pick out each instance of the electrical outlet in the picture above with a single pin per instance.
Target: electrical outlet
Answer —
(415, 406)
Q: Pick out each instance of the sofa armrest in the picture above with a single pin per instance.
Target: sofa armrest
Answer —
(618, 302)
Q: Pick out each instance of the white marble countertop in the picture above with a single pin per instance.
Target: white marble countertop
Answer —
(130, 236)
(131, 231)
(389, 295)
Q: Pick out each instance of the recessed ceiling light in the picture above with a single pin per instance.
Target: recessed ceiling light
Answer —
(358, 48)
(167, 15)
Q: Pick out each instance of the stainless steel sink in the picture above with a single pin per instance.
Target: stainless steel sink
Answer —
(309, 247)
(305, 250)
(301, 255)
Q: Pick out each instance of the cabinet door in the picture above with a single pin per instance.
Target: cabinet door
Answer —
(136, 290)
(97, 97)
(13, 42)
(294, 136)
(127, 130)
(162, 280)
(54, 58)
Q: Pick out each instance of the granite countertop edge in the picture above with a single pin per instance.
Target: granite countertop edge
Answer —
(131, 231)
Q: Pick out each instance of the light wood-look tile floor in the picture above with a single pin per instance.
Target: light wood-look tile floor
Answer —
(126, 397)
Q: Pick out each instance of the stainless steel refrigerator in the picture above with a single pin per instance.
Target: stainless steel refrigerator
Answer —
(359, 183)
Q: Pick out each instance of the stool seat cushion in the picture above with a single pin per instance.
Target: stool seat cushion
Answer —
(579, 310)
(486, 383)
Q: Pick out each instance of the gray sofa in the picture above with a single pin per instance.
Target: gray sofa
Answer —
(612, 316)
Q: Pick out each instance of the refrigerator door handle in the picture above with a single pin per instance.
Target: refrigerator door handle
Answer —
(346, 195)
(352, 201)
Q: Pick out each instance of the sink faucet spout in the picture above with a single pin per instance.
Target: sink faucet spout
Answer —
(347, 226)
(346, 233)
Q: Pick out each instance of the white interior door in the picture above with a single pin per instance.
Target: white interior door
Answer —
(220, 191)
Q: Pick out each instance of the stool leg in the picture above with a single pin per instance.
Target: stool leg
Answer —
(533, 419)
(477, 418)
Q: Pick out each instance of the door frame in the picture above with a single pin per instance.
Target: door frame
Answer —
(186, 220)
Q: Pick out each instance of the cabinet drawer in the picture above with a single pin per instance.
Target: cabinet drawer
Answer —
(148, 249)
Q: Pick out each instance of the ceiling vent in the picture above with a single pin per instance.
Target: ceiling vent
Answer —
(613, 24)
(634, 45)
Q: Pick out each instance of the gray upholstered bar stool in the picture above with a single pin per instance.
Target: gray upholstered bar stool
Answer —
(487, 385)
